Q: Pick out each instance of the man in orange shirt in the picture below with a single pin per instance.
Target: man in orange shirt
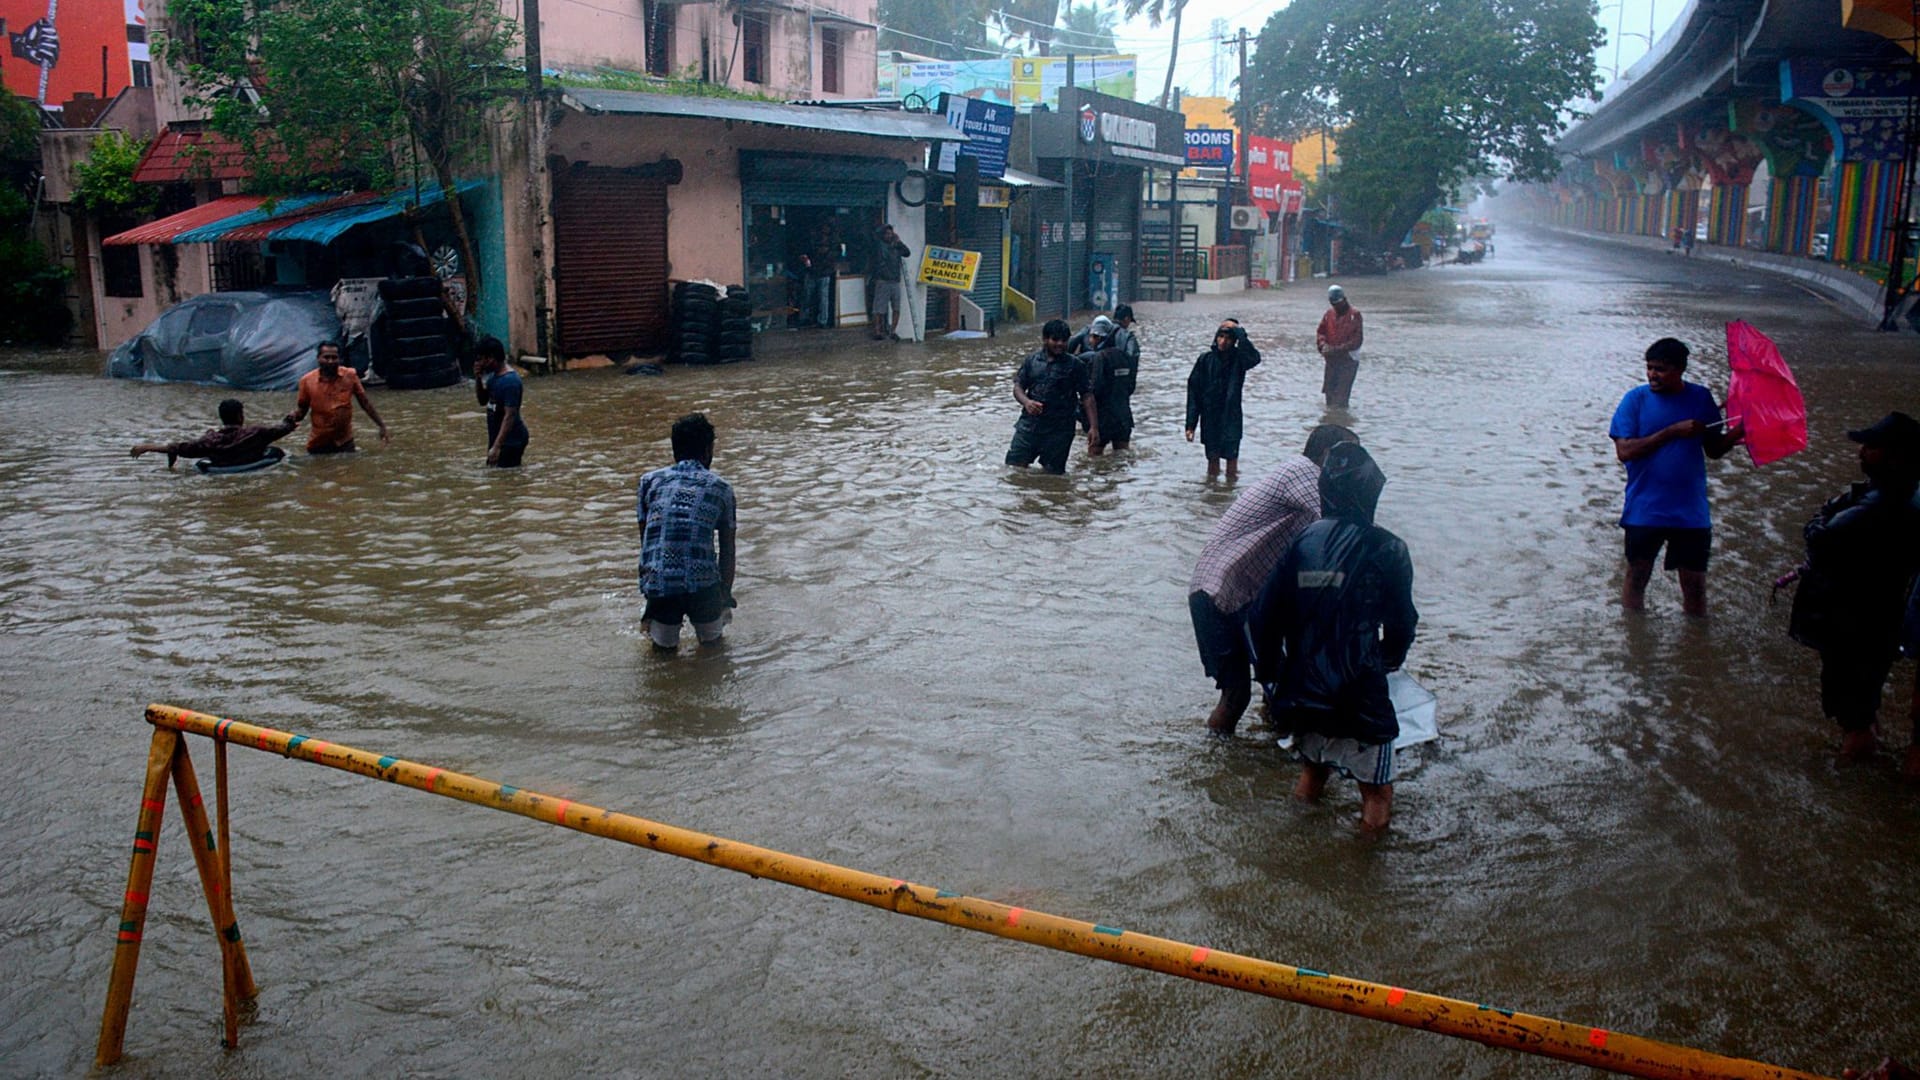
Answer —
(330, 391)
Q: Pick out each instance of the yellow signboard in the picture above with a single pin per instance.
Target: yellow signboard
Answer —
(949, 268)
(992, 197)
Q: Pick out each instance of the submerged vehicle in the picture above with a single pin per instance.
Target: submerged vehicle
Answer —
(253, 340)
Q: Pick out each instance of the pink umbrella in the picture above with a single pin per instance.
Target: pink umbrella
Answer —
(1763, 396)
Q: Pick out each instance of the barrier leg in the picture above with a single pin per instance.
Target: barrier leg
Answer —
(236, 979)
(133, 910)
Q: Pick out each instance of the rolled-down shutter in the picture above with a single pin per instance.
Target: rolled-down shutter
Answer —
(610, 261)
(985, 239)
(787, 180)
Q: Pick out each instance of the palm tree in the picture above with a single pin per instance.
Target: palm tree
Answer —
(1156, 12)
(1088, 28)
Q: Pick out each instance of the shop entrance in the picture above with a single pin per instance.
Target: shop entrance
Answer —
(806, 265)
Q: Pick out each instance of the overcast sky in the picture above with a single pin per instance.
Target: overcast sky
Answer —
(1198, 73)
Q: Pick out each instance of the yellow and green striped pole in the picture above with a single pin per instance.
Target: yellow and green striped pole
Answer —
(1596, 1047)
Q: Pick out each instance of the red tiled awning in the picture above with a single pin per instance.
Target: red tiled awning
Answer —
(187, 151)
(164, 230)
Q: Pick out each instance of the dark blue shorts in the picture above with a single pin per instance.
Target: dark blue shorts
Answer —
(1223, 643)
(1686, 548)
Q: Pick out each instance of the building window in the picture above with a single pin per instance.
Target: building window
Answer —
(659, 23)
(142, 73)
(239, 266)
(753, 46)
(119, 264)
(829, 60)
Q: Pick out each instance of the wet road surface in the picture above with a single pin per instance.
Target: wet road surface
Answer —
(965, 677)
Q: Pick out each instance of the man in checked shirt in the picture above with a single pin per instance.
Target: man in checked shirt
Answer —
(683, 509)
(1245, 547)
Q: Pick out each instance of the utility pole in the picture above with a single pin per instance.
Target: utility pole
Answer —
(1240, 120)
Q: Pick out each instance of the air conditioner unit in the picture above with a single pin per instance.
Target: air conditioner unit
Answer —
(1245, 217)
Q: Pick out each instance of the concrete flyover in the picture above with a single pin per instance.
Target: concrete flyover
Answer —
(1769, 126)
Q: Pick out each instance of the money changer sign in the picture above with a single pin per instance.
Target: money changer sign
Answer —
(949, 268)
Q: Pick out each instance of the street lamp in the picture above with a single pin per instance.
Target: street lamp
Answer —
(1620, 32)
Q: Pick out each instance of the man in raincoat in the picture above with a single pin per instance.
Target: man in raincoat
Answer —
(1863, 549)
(1213, 396)
(1112, 372)
(1334, 618)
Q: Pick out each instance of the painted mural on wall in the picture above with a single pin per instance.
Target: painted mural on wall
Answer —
(59, 48)
(1866, 104)
(1728, 156)
(1795, 142)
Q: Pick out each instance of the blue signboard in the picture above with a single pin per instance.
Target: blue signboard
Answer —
(987, 124)
(1210, 147)
(1864, 104)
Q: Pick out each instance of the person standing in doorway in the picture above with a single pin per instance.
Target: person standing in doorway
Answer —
(1663, 432)
(500, 390)
(1213, 396)
(822, 263)
(883, 282)
(687, 526)
(1338, 339)
(329, 391)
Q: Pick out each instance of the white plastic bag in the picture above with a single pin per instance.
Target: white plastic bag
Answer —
(1415, 707)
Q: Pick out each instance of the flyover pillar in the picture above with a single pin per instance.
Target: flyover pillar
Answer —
(1863, 108)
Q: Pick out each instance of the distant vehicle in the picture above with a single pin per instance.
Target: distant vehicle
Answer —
(255, 340)
(1821, 243)
(1700, 231)
(1481, 230)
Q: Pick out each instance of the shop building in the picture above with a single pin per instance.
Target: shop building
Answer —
(1081, 242)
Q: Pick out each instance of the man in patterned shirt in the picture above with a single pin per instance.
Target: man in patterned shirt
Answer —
(1238, 559)
(682, 510)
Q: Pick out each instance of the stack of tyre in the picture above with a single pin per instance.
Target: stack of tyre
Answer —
(413, 341)
(710, 327)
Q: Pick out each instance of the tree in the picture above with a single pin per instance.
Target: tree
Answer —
(1425, 94)
(351, 94)
(33, 302)
(948, 29)
(1087, 28)
(1156, 11)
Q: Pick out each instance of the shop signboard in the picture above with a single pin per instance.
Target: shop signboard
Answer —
(1022, 81)
(949, 268)
(1210, 148)
(1091, 126)
(987, 126)
(1866, 102)
(1269, 172)
(992, 196)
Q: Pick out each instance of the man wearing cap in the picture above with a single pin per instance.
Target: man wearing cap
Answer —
(1863, 549)
(1338, 339)
(1660, 431)
(1112, 373)
(330, 390)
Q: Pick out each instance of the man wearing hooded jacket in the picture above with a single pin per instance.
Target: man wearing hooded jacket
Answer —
(1334, 618)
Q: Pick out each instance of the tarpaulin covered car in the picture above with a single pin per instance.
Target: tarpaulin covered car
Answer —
(246, 340)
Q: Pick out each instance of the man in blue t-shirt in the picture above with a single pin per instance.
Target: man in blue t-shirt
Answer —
(499, 389)
(1659, 432)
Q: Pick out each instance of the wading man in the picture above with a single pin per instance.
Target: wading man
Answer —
(1339, 338)
(500, 389)
(686, 515)
(1660, 432)
(1213, 396)
(231, 445)
(1336, 616)
(1863, 549)
(1054, 389)
(329, 391)
(1239, 558)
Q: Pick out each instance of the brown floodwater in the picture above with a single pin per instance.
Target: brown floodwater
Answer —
(950, 673)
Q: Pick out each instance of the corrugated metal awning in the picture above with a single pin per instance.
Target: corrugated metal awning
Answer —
(326, 228)
(164, 230)
(1015, 178)
(257, 223)
(876, 123)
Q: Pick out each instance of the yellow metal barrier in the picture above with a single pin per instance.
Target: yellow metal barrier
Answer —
(1596, 1047)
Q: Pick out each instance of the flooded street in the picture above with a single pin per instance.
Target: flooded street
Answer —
(947, 672)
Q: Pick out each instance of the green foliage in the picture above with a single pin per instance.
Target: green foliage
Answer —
(1158, 11)
(353, 94)
(947, 29)
(1087, 28)
(33, 306)
(687, 86)
(1426, 94)
(103, 183)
